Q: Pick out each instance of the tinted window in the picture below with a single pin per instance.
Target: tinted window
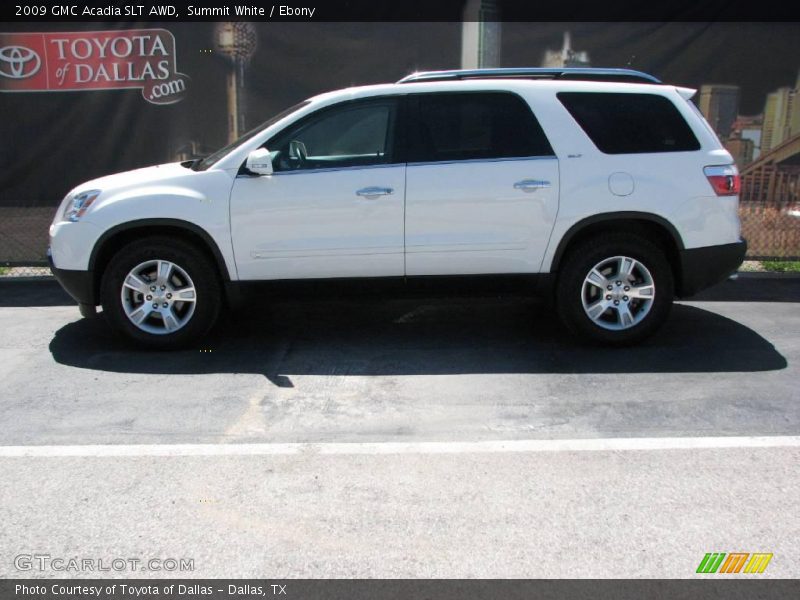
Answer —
(464, 126)
(354, 134)
(630, 123)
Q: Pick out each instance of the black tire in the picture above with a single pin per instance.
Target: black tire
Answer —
(582, 259)
(201, 270)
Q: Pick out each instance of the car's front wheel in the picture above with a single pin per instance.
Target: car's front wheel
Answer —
(615, 289)
(161, 292)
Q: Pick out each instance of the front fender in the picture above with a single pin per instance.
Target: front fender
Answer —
(201, 208)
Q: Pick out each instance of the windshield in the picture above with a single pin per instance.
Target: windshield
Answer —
(209, 160)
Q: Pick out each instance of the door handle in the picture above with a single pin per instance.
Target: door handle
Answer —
(374, 192)
(531, 184)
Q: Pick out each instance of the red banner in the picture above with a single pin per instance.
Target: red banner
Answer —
(93, 60)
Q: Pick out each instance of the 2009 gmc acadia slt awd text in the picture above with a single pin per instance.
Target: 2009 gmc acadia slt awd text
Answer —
(606, 189)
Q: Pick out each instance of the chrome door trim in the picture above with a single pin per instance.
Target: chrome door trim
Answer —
(480, 160)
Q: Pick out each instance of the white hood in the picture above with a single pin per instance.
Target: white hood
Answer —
(141, 176)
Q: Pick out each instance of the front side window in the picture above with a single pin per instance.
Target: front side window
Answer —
(621, 123)
(474, 125)
(355, 134)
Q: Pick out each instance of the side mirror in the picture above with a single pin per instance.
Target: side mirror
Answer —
(259, 162)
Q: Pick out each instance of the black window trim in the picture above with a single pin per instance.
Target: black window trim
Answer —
(411, 116)
(403, 118)
(649, 152)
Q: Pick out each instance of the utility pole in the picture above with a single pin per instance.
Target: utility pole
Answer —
(237, 42)
(480, 35)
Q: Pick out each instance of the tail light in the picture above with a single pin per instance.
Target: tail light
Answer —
(724, 179)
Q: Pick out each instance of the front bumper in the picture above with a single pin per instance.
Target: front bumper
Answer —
(703, 267)
(78, 284)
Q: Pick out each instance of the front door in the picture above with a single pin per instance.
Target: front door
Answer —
(334, 205)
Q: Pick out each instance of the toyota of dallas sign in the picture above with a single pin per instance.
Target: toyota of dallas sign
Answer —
(93, 60)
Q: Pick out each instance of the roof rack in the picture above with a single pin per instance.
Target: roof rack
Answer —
(570, 73)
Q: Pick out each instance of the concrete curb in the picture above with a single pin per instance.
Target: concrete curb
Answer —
(767, 275)
(24, 279)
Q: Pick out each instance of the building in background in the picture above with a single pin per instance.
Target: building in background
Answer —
(781, 117)
(741, 149)
(480, 35)
(749, 128)
(774, 177)
(566, 56)
(720, 106)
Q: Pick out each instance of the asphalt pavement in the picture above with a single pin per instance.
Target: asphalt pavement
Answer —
(404, 438)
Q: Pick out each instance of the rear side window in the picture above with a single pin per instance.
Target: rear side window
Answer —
(473, 125)
(630, 123)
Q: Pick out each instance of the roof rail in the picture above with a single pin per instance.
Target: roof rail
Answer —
(571, 73)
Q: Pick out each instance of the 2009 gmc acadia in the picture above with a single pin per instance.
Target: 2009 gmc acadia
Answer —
(604, 188)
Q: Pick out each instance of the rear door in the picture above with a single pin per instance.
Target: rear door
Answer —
(481, 185)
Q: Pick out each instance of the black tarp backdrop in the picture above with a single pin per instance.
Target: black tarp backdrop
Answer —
(52, 141)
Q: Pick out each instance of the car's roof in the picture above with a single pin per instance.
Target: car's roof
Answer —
(563, 73)
(492, 84)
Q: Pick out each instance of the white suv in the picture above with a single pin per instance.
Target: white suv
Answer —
(602, 188)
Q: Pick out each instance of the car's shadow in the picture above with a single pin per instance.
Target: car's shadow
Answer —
(421, 337)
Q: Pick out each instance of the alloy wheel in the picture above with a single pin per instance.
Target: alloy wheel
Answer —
(618, 293)
(158, 297)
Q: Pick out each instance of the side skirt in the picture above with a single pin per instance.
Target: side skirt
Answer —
(238, 292)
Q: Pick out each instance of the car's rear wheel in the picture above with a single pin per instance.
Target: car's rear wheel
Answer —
(615, 289)
(161, 292)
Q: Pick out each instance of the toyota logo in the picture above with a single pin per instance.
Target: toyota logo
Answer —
(19, 62)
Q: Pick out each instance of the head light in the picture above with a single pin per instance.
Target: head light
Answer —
(79, 204)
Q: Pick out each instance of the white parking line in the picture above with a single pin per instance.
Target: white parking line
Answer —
(575, 445)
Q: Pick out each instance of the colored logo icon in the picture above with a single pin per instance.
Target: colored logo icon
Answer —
(735, 562)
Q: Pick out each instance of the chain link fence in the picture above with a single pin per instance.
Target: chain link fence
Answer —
(772, 232)
(23, 241)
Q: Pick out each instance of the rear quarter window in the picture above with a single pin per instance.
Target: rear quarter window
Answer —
(630, 123)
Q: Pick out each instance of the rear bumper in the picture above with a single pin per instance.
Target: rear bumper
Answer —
(703, 267)
(78, 284)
